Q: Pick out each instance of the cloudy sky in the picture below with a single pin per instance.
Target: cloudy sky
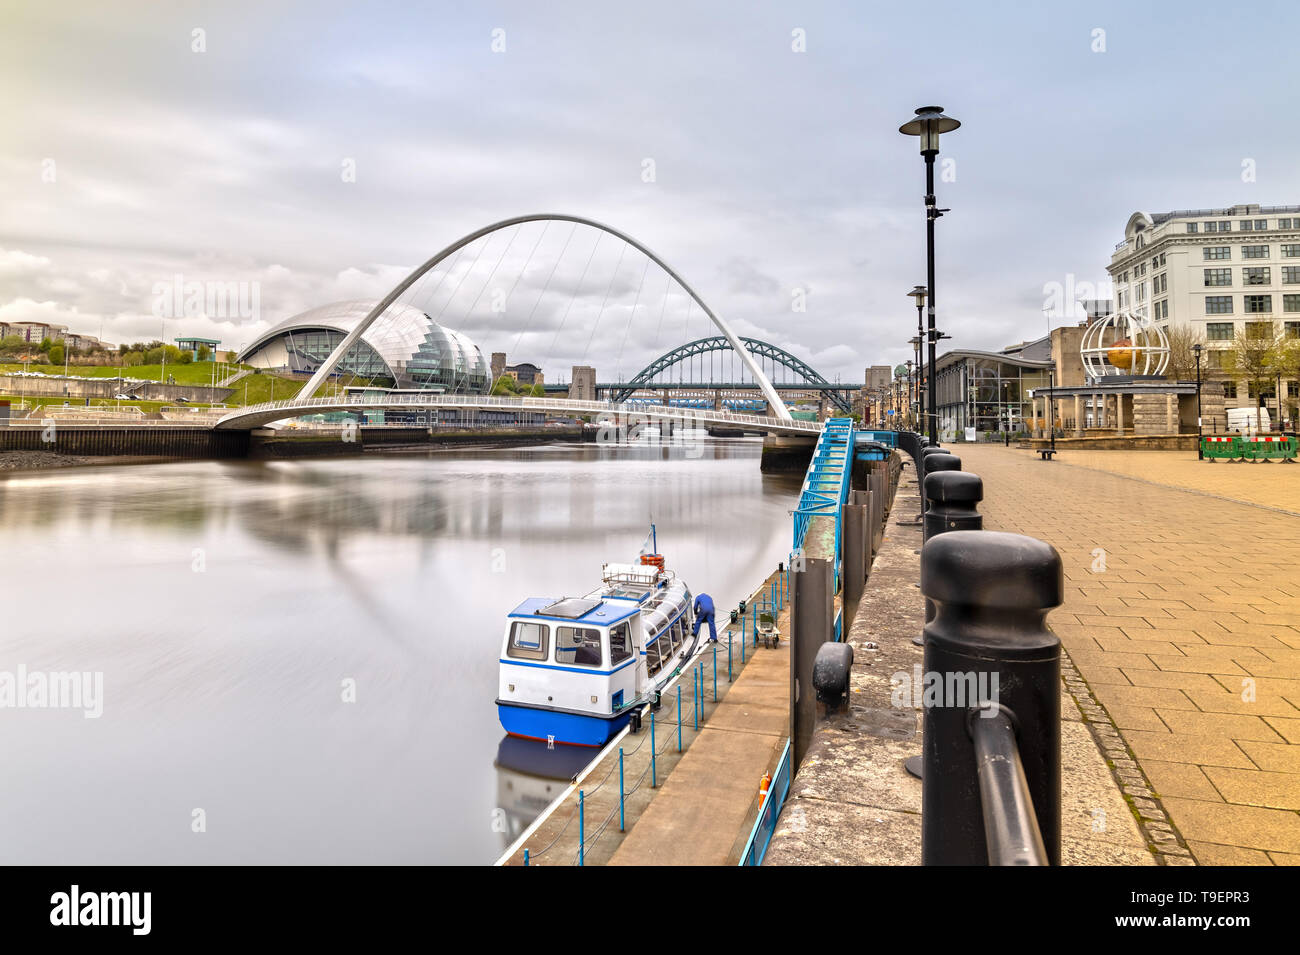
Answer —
(317, 152)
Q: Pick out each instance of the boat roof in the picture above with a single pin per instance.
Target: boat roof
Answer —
(603, 612)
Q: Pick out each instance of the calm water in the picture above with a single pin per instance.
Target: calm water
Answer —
(226, 604)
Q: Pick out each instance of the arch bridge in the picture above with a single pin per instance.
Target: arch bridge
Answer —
(256, 416)
(657, 374)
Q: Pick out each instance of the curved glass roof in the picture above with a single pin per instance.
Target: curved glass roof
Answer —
(416, 350)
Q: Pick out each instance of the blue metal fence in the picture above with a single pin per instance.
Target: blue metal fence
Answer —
(826, 485)
(765, 824)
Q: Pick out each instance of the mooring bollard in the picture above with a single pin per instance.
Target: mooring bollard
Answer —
(989, 650)
(951, 497)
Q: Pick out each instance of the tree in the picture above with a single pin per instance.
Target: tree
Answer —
(205, 353)
(46, 345)
(1182, 356)
(1286, 365)
(1253, 356)
(538, 390)
(505, 386)
(56, 354)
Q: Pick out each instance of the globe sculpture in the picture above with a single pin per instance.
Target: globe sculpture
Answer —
(1123, 344)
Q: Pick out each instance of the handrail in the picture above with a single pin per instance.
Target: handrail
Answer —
(1010, 825)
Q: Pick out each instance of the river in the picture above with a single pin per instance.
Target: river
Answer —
(298, 658)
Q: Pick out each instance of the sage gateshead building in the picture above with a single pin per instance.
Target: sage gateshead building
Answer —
(403, 349)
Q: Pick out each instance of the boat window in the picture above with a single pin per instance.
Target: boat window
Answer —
(652, 658)
(620, 643)
(527, 640)
(675, 629)
(577, 646)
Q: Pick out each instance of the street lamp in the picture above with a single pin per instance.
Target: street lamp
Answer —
(928, 125)
(1200, 452)
(918, 295)
(911, 398)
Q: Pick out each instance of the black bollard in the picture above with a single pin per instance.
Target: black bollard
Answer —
(951, 499)
(941, 461)
(992, 592)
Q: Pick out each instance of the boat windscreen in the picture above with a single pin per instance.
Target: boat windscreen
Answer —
(571, 608)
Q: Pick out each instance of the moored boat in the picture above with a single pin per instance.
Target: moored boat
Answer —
(574, 669)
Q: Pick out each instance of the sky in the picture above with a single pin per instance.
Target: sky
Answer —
(318, 152)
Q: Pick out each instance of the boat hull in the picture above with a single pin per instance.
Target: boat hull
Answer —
(572, 729)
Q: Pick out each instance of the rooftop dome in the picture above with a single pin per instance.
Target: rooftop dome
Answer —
(404, 346)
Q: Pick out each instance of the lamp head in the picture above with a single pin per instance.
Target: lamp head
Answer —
(929, 123)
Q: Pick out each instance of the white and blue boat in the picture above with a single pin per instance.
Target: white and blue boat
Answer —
(575, 669)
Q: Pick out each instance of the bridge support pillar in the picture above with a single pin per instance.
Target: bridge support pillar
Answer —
(787, 452)
(717, 401)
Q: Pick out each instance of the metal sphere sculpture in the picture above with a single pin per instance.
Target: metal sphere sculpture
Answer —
(1123, 344)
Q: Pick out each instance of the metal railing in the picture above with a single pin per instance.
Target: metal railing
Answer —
(1010, 823)
(826, 485)
(768, 812)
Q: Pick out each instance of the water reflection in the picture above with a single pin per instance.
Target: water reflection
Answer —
(229, 603)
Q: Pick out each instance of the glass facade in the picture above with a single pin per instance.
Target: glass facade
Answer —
(404, 348)
(988, 394)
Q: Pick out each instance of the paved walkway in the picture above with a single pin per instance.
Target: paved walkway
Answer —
(1182, 612)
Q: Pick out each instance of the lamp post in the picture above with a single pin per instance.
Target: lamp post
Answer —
(911, 398)
(1200, 452)
(918, 295)
(928, 125)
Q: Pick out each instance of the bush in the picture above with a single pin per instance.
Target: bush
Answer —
(56, 354)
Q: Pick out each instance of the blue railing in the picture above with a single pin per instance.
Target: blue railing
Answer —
(826, 486)
(768, 812)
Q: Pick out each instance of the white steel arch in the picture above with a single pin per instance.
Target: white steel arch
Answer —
(323, 372)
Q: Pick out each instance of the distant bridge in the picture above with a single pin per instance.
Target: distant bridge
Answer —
(656, 376)
(256, 416)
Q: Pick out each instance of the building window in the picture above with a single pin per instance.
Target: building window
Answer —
(1260, 330)
(1291, 303)
(1216, 252)
(1291, 329)
(1293, 389)
(1219, 331)
(1218, 276)
(1224, 360)
(1162, 259)
(1291, 251)
(1260, 275)
(1254, 252)
(1164, 308)
(1258, 304)
(1191, 228)
(1286, 223)
(527, 641)
(1291, 274)
(1230, 389)
(1218, 305)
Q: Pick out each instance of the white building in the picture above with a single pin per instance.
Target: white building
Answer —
(1215, 270)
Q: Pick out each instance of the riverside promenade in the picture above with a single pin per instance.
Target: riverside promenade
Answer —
(1182, 619)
